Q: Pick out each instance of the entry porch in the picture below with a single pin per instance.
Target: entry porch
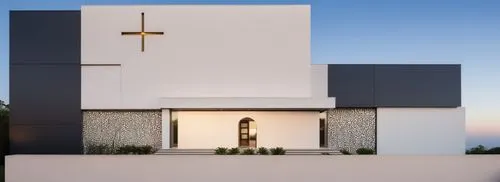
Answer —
(208, 123)
(189, 129)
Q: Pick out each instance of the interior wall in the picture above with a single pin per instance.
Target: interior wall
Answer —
(212, 129)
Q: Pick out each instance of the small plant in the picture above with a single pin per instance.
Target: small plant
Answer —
(345, 152)
(146, 149)
(365, 151)
(233, 151)
(325, 153)
(263, 151)
(220, 151)
(99, 149)
(248, 151)
(277, 151)
(139, 150)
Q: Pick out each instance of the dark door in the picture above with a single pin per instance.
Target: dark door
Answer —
(244, 131)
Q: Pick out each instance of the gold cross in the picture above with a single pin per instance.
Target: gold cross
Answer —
(142, 33)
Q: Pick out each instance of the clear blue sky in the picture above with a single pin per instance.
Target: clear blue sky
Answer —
(367, 31)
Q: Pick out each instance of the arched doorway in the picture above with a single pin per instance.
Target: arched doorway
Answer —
(247, 133)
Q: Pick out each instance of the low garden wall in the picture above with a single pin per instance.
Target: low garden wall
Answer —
(153, 168)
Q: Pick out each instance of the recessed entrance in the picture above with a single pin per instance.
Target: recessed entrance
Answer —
(245, 129)
(247, 133)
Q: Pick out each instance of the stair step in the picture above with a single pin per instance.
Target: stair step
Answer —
(212, 152)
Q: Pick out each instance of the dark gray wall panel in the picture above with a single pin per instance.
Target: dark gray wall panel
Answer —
(45, 82)
(45, 139)
(351, 85)
(417, 85)
(45, 36)
(395, 85)
(45, 94)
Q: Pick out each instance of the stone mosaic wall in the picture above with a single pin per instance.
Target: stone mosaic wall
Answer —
(122, 127)
(351, 128)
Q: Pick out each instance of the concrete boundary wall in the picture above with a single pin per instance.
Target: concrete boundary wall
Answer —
(81, 168)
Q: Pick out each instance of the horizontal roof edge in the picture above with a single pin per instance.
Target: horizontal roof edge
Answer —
(127, 5)
(416, 64)
(16, 11)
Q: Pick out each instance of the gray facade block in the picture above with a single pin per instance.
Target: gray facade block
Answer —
(417, 86)
(45, 37)
(45, 139)
(351, 85)
(45, 94)
(45, 82)
(395, 85)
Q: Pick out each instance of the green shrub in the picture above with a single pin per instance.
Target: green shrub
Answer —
(365, 151)
(480, 149)
(99, 149)
(277, 151)
(4, 131)
(248, 151)
(263, 151)
(325, 153)
(221, 151)
(494, 150)
(233, 151)
(138, 150)
(2, 173)
(147, 149)
(345, 152)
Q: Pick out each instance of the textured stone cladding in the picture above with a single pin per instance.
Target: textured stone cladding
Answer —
(351, 128)
(122, 127)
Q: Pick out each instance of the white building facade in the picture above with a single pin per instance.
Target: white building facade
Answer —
(208, 76)
(213, 66)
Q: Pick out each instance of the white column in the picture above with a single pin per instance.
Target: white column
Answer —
(165, 128)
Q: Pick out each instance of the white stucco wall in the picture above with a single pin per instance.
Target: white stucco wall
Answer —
(165, 128)
(289, 168)
(319, 80)
(212, 129)
(421, 131)
(101, 86)
(206, 51)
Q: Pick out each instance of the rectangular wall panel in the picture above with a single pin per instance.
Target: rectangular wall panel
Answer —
(45, 139)
(301, 168)
(101, 87)
(319, 80)
(45, 94)
(45, 82)
(395, 85)
(45, 36)
(421, 131)
(351, 85)
(417, 85)
(207, 51)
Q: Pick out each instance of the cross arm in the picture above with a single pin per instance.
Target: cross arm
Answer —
(131, 33)
(154, 33)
